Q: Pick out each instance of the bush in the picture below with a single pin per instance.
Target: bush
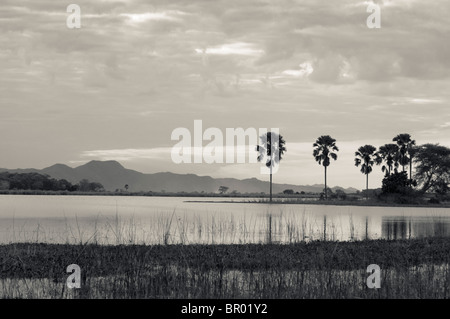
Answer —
(434, 201)
(396, 183)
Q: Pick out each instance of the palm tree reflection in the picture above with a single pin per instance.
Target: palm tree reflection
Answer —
(403, 227)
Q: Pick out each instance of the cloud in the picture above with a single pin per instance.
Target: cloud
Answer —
(126, 154)
(424, 101)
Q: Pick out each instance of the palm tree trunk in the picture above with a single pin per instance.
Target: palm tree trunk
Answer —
(271, 183)
(410, 170)
(367, 186)
(326, 190)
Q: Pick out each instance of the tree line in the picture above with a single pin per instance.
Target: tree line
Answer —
(36, 181)
(432, 162)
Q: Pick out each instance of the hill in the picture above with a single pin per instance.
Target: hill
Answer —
(112, 175)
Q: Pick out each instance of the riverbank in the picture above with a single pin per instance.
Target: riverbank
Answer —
(366, 203)
(416, 268)
(246, 198)
(360, 202)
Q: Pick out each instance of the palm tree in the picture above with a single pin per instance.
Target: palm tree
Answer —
(405, 144)
(325, 146)
(366, 156)
(412, 152)
(387, 153)
(272, 148)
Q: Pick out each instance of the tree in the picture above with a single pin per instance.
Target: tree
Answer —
(396, 183)
(432, 167)
(388, 154)
(412, 151)
(96, 187)
(272, 148)
(405, 153)
(341, 194)
(85, 186)
(33, 181)
(64, 184)
(366, 156)
(325, 147)
(126, 187)
(223, 189)
(288, 192)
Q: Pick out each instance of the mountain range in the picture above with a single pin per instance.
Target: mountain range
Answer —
(112, 175)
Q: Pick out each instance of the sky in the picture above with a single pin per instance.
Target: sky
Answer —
(118, 86)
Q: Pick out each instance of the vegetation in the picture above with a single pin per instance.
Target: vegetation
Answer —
(223, 189)
(272, 148)
(366, 157)
(416, 268)
(433, 168)
(325, 147)
(388, 154)
(39, 182)
(85, 186)
(405, 151)
(396, 183)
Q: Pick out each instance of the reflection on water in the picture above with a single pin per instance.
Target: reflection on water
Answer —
(172, 220)
(401, 227)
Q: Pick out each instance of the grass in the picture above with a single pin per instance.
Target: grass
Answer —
(416, 268)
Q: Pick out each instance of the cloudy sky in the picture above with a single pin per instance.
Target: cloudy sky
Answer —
(136, 70)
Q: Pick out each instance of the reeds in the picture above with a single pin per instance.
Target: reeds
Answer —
(417, 268)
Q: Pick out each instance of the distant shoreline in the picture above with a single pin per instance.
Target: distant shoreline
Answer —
(370, 203)
(153, 194)
(307, 199)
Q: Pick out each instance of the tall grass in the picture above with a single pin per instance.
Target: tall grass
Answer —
(417, 268)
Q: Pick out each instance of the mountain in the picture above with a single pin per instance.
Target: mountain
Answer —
(112, 175)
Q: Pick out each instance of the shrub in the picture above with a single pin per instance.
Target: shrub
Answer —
(396, 183)
(434, 201)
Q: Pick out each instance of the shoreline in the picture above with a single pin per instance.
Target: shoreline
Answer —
(240, 199)
(328, 203)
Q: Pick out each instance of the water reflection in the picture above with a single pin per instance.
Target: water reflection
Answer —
(401, 227)
(160, 220)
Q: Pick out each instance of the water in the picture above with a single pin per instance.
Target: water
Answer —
(171, 220)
